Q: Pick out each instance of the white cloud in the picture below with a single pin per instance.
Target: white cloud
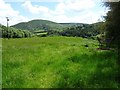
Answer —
(65, 11)
(78, 5)
(7, 11)
(35, 9)
(62, 7)
(89, 17)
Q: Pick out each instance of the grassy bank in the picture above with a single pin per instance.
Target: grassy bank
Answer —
(57, 62)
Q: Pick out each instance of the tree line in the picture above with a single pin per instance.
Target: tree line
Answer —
(11, 32)
(84, 31)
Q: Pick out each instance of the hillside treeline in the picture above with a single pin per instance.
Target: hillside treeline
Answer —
(72, 30)
(84, 31)
(14, 33)
(80, 31)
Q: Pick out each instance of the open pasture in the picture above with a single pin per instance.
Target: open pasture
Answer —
(57, 62)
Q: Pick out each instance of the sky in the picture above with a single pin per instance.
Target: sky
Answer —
(60, 11)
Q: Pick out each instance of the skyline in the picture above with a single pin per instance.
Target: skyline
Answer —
(60, 11)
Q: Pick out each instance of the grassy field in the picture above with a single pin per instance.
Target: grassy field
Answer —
(57, 62)
(0, 63)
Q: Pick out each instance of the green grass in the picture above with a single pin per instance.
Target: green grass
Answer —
(0, 63)
(57, 62)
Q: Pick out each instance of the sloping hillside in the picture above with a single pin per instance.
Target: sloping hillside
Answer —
(39, 25)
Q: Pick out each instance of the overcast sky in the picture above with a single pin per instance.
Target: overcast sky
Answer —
(61, 11)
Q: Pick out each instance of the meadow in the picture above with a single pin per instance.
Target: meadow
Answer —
(0, 63)
(57, 62)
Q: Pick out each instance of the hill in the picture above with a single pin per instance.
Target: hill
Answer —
(39, 25)
(45, 28)
(46, 25)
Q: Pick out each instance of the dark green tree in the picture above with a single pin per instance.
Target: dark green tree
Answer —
(113, 23)
(113, 29)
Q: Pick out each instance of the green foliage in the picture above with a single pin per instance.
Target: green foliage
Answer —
(57, 62)
(84, 31)
(14, 33)
(53, 33)
(0, 32)
(113, 28)
(99, 27)
(113, 22)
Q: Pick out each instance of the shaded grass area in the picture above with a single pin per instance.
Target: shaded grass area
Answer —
(57, 62)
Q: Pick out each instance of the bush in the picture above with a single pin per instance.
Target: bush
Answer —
(14, 33)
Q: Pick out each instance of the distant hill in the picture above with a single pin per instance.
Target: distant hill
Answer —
(45, 27)
(39, 25)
